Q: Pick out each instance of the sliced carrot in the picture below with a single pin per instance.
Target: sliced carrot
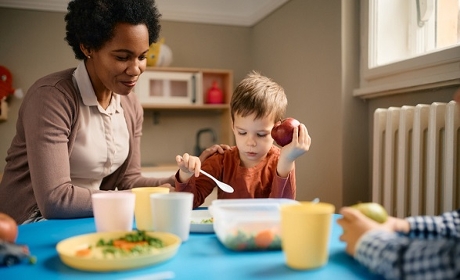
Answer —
(264, 238)
(83, 252)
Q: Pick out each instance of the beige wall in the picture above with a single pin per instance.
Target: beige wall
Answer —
(310, 47)
(300, 47)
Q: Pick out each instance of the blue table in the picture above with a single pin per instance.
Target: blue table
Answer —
(201, 257)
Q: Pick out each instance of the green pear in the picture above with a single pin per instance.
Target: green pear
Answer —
(372, 210)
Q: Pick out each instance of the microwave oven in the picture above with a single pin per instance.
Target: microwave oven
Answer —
(164, 87)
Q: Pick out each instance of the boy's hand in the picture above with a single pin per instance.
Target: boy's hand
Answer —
(188, 165)
(299, 145)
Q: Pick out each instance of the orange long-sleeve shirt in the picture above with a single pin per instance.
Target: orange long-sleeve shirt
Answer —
(260, 181)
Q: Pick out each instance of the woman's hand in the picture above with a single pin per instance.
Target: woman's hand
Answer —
(355, 224)
(214, 149)
(188, 166)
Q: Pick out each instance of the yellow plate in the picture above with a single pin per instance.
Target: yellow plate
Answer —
(67, 252)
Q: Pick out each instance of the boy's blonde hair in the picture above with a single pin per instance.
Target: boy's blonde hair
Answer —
(260, 95)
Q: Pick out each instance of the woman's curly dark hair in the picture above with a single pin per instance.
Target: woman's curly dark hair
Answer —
(92, 22)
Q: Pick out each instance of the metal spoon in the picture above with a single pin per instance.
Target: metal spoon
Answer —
(221, 185)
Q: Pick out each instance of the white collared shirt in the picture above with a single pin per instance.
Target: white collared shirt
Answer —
(102, 142)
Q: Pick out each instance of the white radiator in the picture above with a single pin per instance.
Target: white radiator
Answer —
(416, 160)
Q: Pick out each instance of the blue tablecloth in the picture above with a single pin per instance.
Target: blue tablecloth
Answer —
(201, 257)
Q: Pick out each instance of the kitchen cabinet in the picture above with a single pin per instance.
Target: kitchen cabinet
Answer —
(185, 89)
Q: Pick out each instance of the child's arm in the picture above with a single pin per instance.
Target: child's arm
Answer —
(445, 225)
(300, 144)
(355, 224)
(397, 256)
(390, 249)
(188, 166)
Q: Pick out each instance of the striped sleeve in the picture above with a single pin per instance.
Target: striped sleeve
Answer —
(397, 256)
(430, 227)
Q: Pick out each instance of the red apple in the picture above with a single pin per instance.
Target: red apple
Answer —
(282, 132)
(8, 228)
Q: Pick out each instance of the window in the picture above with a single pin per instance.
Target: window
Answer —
(408, 45)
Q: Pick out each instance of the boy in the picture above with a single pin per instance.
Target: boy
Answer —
(255, 168)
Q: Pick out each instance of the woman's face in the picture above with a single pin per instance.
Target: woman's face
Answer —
(116, 67)
(253, 138)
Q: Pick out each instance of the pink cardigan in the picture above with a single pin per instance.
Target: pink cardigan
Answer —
(37, 170)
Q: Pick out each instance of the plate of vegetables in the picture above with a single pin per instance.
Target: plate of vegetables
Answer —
(201, 221)
(112, 251)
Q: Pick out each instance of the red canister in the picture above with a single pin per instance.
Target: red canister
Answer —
(215, 95)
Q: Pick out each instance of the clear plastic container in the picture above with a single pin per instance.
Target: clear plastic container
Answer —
(248, 224)
(277, 201)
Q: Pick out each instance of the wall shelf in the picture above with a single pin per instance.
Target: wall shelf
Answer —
(224, 80)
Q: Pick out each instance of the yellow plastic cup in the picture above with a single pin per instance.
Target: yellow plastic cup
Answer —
(142, 208)
(305, 234)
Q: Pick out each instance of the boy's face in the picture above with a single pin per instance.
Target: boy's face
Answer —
(253, 138)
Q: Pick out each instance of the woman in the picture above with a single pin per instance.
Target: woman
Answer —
(79, 130)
